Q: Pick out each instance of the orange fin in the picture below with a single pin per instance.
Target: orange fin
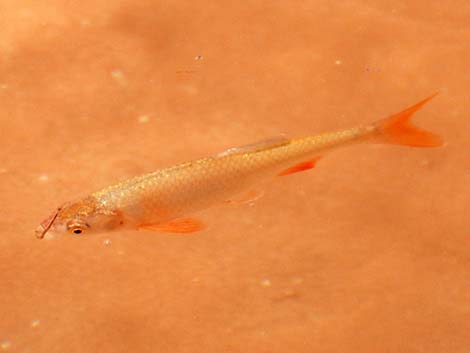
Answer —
(256, 147)
(249, 197)
(300, 167)
(178, 225)
(398, 129)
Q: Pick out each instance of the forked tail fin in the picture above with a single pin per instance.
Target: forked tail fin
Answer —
(398, 129)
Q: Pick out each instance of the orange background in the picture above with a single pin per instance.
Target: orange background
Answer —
(367, 253)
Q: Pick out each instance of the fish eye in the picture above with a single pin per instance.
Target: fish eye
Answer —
(76, 229)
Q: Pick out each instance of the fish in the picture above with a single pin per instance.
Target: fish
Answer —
(165, 201)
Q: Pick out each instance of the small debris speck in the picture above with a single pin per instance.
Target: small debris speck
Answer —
(143, 119)
(107, 242)
(338, 62)
(35, 323)
(265, 282)
(198, 57)
(43, 178)
(4, 345)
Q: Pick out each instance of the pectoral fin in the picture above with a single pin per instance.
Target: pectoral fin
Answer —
(248, 197)
(178, 225)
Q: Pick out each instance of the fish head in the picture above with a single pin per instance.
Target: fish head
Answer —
(78, 218)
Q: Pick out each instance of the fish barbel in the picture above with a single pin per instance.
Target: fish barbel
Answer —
(163, 200)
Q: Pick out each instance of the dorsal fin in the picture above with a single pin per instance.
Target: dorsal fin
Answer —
(256, 147)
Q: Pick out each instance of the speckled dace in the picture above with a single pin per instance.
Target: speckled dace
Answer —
(163, 201)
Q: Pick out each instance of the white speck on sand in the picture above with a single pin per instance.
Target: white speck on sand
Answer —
(338, 62)
(85, 22)
(297, 280)
(35, 323)
(265, 282)
(107, 242)
(189, 89)
(287, 293)
(198, 57)
(4, 345)
(143, 119)
(43, 178)
(26, 13)
(119, 77)
(117, 74)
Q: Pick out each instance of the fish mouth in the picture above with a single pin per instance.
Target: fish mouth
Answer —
(46, 225)
(40, 232)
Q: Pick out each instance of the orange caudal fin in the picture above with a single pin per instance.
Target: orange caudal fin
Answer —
(398, 129)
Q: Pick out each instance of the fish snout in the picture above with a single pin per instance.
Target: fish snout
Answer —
(45, 225)
(40, 232)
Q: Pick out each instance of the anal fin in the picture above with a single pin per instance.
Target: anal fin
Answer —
(300, 167)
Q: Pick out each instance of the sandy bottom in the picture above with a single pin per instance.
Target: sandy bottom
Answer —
(367, 253)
